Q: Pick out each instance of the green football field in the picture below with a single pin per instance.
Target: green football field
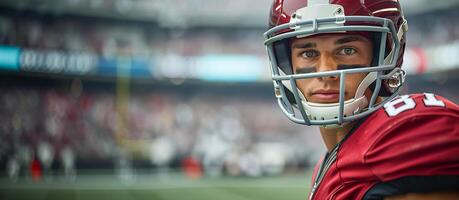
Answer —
(158, 187)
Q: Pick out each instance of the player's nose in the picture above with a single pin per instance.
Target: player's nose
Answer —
(327, 63)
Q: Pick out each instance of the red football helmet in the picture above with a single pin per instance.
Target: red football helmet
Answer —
(381, 21)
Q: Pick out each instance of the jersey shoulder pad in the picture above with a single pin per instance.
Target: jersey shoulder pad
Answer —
(409, 107)
(413, 135)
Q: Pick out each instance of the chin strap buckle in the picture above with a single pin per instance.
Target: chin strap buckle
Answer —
(277, 92)
(397, 79)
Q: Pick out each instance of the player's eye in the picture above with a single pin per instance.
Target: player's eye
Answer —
(347, 51)
(309, 54)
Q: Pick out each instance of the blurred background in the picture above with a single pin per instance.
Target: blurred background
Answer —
(152, 99)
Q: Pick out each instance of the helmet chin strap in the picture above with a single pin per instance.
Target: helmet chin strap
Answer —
(326, 111)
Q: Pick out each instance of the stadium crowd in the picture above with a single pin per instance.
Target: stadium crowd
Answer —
(83, 128)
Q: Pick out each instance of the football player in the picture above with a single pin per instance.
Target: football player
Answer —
(337, 64)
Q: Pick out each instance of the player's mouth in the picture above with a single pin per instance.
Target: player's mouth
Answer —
(325, 96)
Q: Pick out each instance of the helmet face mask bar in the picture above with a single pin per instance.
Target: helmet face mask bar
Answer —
(384, 74)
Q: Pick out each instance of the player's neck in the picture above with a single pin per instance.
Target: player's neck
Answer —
(332, 136)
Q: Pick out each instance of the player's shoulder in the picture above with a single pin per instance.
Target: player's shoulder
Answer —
(406, 127)
(409, 120)
(418, 104)
(407, 109)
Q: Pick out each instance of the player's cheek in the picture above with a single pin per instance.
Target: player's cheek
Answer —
(303, 84)
(352, 83)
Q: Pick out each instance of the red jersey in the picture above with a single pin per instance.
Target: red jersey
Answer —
(409, 145)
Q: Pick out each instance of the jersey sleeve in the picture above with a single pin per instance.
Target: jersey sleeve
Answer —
(423, 141)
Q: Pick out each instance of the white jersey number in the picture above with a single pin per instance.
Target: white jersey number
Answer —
(405, 102)
(430, 100)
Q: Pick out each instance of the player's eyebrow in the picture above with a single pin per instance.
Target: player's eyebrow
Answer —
(348, 39)
(301, 45)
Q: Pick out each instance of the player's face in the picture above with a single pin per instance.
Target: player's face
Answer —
(328, 53)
